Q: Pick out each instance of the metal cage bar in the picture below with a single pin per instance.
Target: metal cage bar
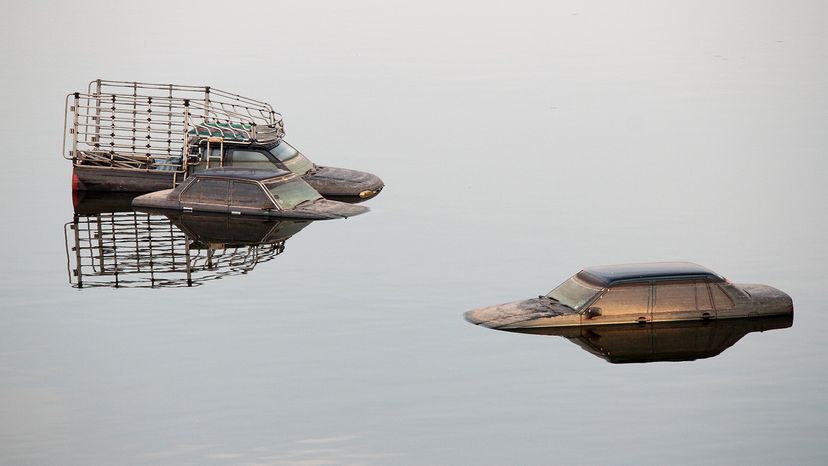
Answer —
(150, 126)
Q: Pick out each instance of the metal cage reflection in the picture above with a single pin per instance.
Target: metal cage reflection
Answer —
(142, 250)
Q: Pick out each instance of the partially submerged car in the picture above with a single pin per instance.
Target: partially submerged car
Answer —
(248, 192)
(331, 182)
(637, 293)
(662, 341)
(143, 137)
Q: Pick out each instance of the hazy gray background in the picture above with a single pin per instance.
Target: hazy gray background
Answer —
(519, 141)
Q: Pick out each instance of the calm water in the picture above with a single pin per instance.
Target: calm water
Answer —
(518, 144)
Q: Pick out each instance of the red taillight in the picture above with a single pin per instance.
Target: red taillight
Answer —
(74, 181)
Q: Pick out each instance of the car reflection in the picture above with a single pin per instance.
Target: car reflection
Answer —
(110, 245)
(663, 341)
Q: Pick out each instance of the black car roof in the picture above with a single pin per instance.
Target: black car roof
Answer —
(608, 275)
(242, 173)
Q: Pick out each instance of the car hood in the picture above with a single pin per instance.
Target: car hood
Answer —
(332, 181)
(764, 297)
(518, 313)
(762, 292)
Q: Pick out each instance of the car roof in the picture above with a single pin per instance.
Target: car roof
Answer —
(608, 275)
(242, 173)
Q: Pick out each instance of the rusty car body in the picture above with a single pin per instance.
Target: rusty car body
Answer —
(248, 192)
(331, 182)
(637, 293)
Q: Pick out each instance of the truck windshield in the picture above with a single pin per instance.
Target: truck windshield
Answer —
(292, 158)
(574, 293)
(291, 193)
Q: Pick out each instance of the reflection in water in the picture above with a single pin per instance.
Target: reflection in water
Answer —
(665, 341)
(108, 244)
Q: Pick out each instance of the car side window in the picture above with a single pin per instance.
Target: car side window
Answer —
(246, 194)
(675, 296)
(206, 192)
(251, 159)
(624, 299)
(720, 299)
(703, 296)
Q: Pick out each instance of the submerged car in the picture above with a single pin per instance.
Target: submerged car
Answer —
(331, 182)
(248, 192)
(637, 293)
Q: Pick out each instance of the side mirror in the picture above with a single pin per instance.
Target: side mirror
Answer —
(593, 312)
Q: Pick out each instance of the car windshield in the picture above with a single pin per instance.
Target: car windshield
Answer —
(291, 193)
(574, 293)
(292, 158)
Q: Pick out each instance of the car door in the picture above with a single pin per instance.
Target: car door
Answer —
(206, 195)
(252, 158)
(248, 197)
(621, 304)
(725, 306)
(681, 300)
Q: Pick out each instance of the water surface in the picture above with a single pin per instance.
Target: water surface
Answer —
(518, 144)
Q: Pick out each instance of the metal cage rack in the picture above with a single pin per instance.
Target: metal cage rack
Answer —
(146, 126)
(139, 250)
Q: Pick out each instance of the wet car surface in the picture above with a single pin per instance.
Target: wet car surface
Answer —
(331, 182)
(637, 293)
(248, 192)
